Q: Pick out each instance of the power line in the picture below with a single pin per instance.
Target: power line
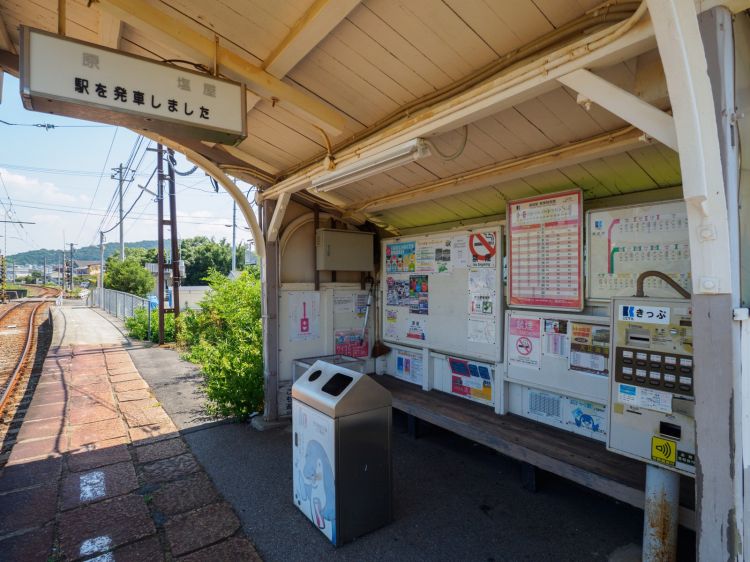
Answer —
(54, 171)
(49, 126)
(96, 191)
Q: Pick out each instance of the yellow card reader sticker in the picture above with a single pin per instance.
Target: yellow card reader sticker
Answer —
(663, 451)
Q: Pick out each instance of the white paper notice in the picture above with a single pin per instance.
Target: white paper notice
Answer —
(343, 304)
(525, 342)
(482, 279)
(655, 400)
(481, 331)
(460, 251)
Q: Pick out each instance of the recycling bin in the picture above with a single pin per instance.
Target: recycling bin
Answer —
(341, 451)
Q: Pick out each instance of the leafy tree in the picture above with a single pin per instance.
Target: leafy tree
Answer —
(201, 255)
(128, 276)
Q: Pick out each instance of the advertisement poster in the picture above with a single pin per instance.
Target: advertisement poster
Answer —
(416, 331)
(460, 252)
(524, 342)
(434, 256)
(400, 257)
(545, 259)
(409, 366)
(481, 330)
(419, 294)
(397, 292)
(469, 379)
(589, 348)
(351, 343)
(483, 249)
(304, 315)
(556, 341)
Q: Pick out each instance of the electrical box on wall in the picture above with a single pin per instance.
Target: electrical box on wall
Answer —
(344, 250)
(652, 413)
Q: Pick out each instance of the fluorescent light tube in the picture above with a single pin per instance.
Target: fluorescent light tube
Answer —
(371, 165)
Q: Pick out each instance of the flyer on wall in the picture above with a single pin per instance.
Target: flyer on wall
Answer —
(524, 342)
(589, 348)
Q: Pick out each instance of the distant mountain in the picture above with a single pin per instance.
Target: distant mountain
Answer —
(87, 253)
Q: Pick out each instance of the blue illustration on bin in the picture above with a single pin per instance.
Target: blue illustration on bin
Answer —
(317, 487)
(585, 420)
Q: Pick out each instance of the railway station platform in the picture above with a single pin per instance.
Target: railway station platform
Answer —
(99, 471)
(116, 459)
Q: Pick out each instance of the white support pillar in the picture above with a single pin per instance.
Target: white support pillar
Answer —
(684, 49)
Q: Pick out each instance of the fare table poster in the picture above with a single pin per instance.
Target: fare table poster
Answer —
(545, 251)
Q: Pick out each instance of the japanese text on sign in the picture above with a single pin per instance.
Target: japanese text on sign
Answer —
(545, 251)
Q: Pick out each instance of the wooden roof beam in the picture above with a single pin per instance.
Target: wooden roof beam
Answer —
(110, 30)
(316, 23)
(143, 14)
(516, 168)
(5, 43)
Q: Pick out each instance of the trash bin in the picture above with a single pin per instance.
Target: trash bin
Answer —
(341, 450)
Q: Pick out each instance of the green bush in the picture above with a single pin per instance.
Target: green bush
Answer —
(137, 325)
(225, 337)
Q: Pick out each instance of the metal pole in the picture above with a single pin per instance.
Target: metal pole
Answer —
(101, 269)
(71, 266)
(175, 242)
(661, 511)
(122, 238)
(234, 237)
(44, 272)
(160, 236)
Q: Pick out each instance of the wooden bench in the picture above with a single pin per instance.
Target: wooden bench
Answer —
(571, 456)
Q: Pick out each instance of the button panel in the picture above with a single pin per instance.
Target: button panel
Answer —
(664, 371)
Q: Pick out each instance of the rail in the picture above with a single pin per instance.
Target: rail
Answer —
(117, 303)
(16, 374)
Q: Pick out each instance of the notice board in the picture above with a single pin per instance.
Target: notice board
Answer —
(545, 251)
(443, 292)
(625, 241)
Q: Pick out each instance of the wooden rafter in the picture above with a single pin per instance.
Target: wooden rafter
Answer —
(5, 43)
(316, 23)
(140, 13)
(110, 30)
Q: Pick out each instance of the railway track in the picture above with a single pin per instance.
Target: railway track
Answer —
(19, 324)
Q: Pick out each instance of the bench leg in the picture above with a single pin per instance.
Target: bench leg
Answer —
(528, 477)
(412, 426)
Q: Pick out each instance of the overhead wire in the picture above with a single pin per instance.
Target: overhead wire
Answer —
(98, 184)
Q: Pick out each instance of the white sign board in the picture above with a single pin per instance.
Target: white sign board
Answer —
(77, 79)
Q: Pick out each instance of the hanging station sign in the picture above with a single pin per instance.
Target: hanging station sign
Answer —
(68, 77)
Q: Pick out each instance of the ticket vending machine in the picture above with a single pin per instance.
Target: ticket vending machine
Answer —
(652, 413)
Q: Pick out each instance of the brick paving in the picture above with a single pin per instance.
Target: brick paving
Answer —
(99, 471)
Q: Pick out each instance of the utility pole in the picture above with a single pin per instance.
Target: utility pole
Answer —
(175, 243)
(71, 266)
(118, 176)
(160, 237)
(44, 272)
(101, 270)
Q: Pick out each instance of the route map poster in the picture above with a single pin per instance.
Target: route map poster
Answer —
(626, 241)
(545, 251)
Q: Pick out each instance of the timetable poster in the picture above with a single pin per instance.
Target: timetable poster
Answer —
(545, 251)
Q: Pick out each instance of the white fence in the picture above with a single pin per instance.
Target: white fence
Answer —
(117, 303)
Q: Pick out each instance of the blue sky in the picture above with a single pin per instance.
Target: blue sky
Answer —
(50, 177)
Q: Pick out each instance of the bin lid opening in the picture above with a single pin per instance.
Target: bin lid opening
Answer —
(315, 375)
(336, 384)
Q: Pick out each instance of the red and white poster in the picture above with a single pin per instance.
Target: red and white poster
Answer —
(545, 251)
(525, 341)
